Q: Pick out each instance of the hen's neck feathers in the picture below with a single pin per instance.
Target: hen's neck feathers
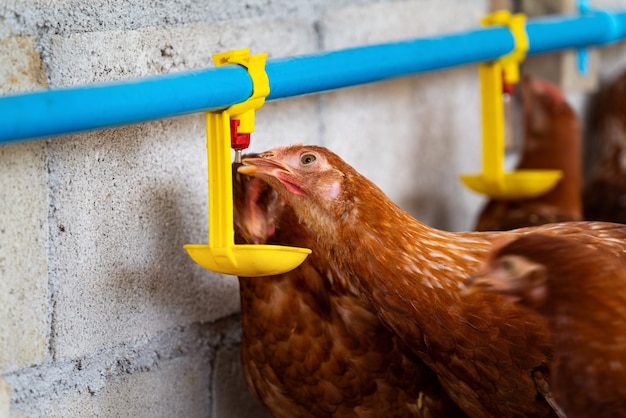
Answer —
(366, 221)
(358, 228)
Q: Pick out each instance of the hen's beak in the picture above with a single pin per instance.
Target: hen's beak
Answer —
(266, 167)
(260, 165)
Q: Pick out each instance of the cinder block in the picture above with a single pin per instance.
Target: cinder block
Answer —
(49, 17)
(177, 388)
(231, 397)
(21, 69)
(23, 257)
(411, 136)
(402, 20)
(125, 202)
(86, 58)
(160, 364)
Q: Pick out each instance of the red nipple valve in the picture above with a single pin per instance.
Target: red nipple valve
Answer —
(507, 87)
(238, 141)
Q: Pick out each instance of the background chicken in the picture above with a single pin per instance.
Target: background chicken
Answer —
(484, 350)
(582, 292)
(552, 140)
(310, 346)
(604, 196)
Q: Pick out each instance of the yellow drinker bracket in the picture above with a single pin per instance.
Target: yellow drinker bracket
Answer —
(493, 181)
(221, 254)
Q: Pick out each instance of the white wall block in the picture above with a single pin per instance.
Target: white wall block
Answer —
(21, 69)
(125, 202)
(177, 388)
(23, 255)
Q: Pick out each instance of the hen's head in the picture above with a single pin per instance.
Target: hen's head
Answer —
(546, 112)
(514, 269)
(312, 179)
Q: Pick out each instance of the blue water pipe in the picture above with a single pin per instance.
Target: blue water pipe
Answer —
(75, 109)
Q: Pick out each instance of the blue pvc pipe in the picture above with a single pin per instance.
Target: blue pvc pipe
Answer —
(552, 34)
(349, 67)
(75, 109)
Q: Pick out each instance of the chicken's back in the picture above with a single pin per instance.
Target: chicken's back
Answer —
(581, 291)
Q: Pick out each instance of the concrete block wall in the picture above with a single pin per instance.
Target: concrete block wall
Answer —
(102, 313)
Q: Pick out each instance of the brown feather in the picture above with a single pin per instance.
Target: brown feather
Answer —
(583, 293)
(483, 349)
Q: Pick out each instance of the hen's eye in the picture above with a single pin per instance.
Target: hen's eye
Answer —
(307, 159)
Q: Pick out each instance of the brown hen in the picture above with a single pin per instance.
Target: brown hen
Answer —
(581, 291)
(484, 351)
(310, 346)
(552, 140)
(604, 195)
